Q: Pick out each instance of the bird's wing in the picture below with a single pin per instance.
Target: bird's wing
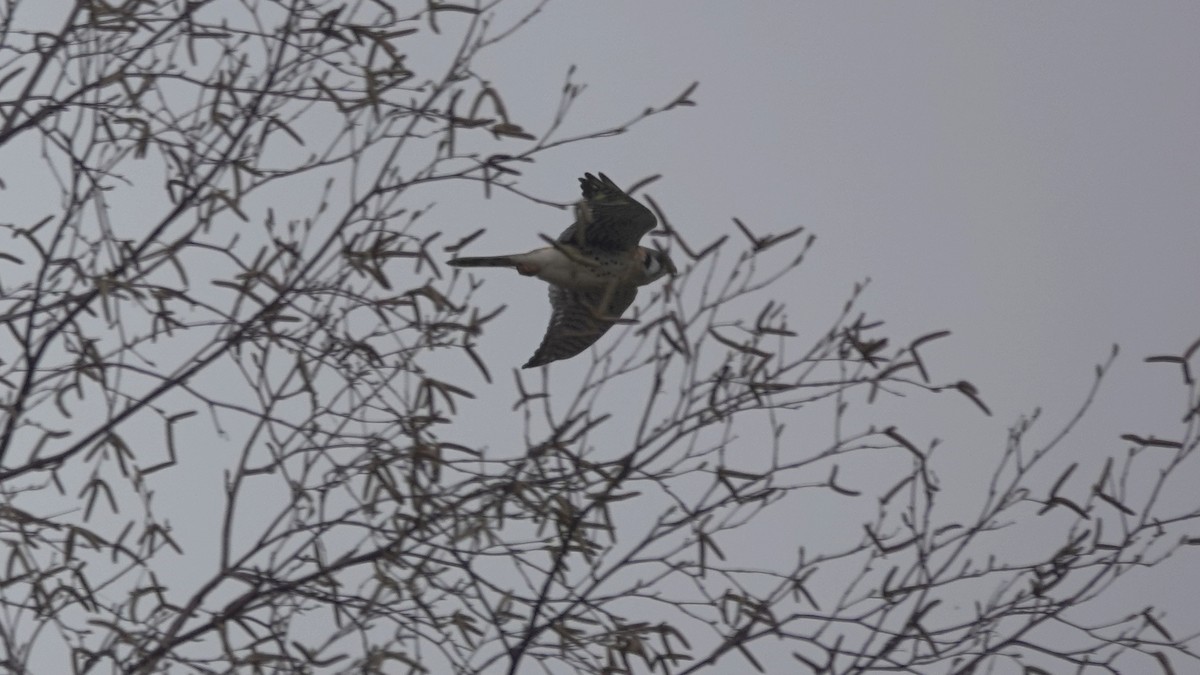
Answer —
(578, 319)
(607, 218)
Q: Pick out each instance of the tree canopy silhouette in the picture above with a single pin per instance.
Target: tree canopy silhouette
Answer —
(241, 397)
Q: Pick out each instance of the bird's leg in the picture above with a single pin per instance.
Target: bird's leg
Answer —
(527, 269)
(601, 312)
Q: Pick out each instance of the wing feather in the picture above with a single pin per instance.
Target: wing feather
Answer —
(607, 218)
(578, 319)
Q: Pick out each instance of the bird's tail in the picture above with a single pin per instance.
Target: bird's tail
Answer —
(484, 261)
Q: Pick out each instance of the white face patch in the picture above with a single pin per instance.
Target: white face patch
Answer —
(656, 264)
(653, 266)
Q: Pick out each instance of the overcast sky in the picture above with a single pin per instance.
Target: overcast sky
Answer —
(1023, 174)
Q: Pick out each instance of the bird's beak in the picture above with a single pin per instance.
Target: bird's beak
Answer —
(671, 267)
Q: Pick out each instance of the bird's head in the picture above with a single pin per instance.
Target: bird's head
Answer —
(657, 264)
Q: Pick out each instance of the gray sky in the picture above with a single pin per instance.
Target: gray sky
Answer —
(1024, 174)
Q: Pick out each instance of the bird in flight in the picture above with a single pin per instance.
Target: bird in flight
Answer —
(594, 269)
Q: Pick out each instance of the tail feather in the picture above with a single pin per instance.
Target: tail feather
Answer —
(484, 261)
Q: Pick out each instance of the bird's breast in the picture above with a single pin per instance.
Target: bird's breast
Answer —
(570, 267)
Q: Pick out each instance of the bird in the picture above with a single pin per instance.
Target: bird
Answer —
(594, 268)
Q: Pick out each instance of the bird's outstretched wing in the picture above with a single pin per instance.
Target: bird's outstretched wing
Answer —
(607, 218)
(578, 319)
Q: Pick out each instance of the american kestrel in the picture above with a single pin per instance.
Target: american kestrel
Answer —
(594, 269)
